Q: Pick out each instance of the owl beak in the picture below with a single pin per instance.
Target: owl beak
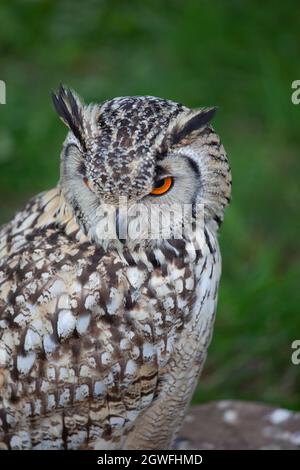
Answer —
(121, 225)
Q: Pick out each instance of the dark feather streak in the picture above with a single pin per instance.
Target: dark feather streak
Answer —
(196, 122)
(68, 109)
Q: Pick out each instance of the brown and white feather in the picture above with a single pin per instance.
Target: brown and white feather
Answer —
(101, 345)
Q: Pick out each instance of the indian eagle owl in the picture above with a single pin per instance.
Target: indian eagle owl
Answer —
(102, 339)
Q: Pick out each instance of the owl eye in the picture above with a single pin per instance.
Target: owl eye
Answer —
(162, 186)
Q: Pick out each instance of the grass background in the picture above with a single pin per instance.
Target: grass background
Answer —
(239, 55)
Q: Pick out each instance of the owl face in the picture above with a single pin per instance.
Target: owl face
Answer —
(143, 153)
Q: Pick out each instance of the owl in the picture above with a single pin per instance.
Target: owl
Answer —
(105, 319)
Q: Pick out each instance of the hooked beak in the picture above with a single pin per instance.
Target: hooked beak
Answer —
(121, 225)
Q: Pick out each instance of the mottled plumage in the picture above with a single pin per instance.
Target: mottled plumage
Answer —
(102, 341)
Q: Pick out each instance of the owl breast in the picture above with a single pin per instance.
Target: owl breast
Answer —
(87, 335)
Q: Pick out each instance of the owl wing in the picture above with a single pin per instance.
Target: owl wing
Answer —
(74, 368)
(86, 335)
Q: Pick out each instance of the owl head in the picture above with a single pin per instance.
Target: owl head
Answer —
(140, 150)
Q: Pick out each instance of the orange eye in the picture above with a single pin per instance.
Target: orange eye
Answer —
(162, 186)
(86, 182)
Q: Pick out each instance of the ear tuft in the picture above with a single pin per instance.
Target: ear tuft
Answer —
(199, 119)
(69, 109)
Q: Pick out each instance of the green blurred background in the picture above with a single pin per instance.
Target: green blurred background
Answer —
(239, 55)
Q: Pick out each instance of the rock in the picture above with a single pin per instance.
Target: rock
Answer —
(239, 425)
